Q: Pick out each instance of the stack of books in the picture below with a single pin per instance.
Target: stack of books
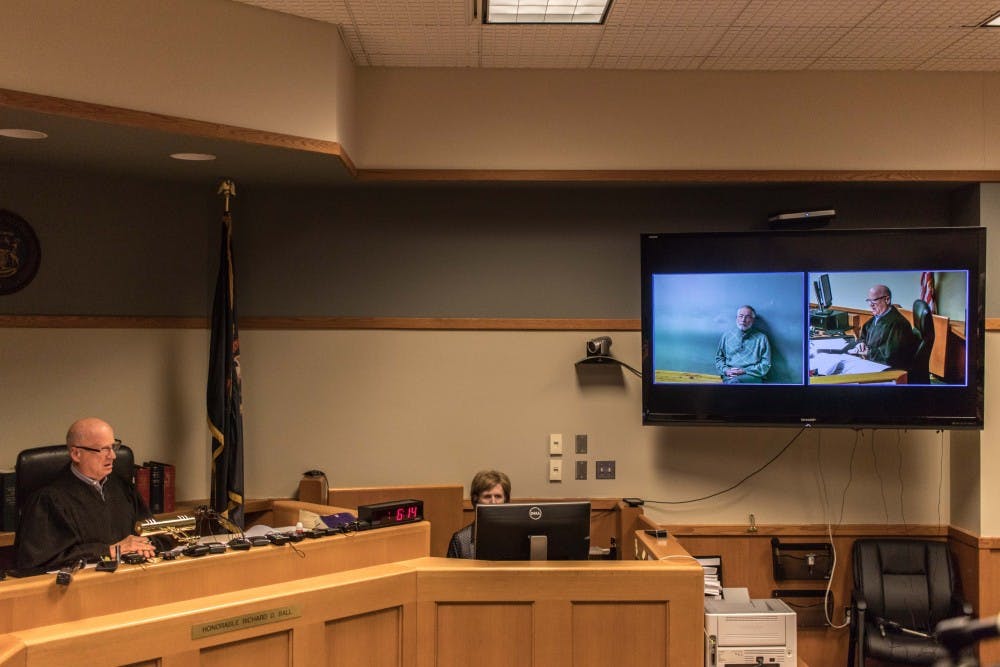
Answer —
(155, 483)
(712, 565)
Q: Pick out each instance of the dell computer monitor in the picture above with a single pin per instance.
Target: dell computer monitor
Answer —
(533, 531)
(824, 293)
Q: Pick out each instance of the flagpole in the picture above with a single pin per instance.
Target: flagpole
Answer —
(224, 391)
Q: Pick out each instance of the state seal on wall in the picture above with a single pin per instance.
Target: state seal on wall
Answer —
(20, 252)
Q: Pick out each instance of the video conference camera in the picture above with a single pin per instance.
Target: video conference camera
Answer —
(599, 347)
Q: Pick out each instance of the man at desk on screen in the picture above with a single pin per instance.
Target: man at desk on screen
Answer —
(86, 511)
(488, 487)
(887, 337)
(744, 353)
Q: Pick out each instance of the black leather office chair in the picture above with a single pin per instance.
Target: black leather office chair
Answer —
(902, 589)
(38, 466)
(923, 329)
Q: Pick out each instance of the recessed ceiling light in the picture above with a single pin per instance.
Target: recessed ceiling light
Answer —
(22, 134)
(193, 157)
(993, 22)
(545, 11)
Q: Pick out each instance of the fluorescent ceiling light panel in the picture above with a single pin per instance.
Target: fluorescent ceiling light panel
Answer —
(546, 11)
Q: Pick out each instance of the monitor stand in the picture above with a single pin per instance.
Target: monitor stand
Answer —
(539, 547)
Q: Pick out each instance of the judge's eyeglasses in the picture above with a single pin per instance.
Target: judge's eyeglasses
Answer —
(104, 451)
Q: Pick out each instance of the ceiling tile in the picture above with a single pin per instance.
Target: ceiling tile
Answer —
(647, 62)
(643, 41)
(674, 13)
(873, 64)
(438, 40)
(777, 42)
(515, 41)
(757, 63)
(842, 13)
(410, 14)
(902, 42)
(931, 13)
(536, 61)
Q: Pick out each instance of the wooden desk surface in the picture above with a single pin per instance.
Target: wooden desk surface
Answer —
(890, 375)
(687, 377)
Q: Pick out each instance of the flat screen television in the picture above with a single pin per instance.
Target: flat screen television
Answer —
(809, 298)
(533, 531)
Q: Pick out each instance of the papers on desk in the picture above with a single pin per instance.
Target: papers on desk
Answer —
(825, 362)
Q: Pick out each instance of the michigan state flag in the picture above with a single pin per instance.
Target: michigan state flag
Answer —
(225, 401)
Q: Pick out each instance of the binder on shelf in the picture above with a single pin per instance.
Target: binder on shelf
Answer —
(712, 565)
(142, 483)
(161, 487)
(7, 486)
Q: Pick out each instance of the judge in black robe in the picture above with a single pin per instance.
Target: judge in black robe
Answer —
(85, 512)
(889, 339)
(67, 520)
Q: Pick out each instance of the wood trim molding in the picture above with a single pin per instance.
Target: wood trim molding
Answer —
(100, 322)
(320, 323)
(677, 175)
(154, 121)
(811, 530)
(441, 323)
(324, 323)
(974, 541)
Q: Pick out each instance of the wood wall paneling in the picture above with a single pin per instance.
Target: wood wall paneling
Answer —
(273, 650)
(374, 639)
(487, 634)
(632, 634)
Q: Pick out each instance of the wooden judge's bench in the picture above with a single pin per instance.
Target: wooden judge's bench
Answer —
(372, 598)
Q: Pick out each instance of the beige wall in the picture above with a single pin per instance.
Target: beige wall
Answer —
(989, 474)
(390, 407)
(550, 119)
(210, 60)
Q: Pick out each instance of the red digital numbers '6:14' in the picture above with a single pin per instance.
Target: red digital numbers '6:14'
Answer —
(407, 513)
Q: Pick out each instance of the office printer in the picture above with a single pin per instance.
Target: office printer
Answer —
(754, 632)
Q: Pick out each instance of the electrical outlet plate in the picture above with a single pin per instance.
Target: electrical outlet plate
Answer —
(555, 444)
(581, 470)
(581, 443)
(604, 470)
(555, 470)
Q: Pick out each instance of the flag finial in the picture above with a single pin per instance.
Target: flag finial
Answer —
(227, 189)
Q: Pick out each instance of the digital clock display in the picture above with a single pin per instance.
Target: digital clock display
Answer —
(391, 513)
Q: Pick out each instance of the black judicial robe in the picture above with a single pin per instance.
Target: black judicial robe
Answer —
(67, 520)
(890, 340)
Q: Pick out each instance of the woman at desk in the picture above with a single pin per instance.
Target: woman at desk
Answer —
(488, 487)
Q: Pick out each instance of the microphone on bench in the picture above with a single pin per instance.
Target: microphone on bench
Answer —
(65, 575)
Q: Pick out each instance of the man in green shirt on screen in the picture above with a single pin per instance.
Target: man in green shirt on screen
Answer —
(744, 354)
